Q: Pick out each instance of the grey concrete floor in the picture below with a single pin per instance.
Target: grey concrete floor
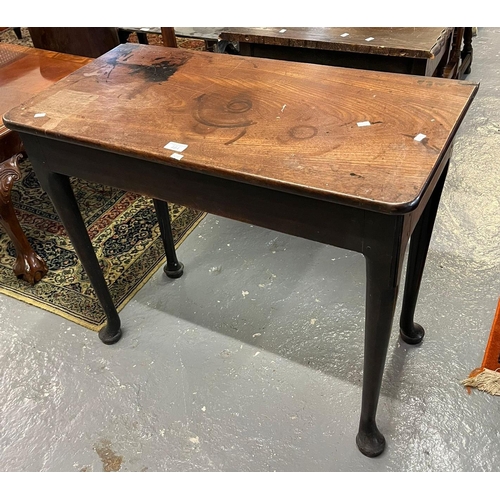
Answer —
(252, 361)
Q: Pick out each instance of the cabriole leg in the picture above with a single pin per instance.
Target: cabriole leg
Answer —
(28, 265)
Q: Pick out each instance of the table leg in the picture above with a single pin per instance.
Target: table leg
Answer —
(142, 37)
(467, 50)
(382, 283)
(59, 189)
(411, 332)
(173, 268)
(29, 265)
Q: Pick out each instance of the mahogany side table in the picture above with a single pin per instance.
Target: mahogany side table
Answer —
(351, 158)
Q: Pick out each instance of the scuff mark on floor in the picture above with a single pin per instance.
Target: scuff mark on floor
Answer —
(111, 462)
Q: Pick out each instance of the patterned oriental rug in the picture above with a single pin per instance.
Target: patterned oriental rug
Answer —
(124, 232)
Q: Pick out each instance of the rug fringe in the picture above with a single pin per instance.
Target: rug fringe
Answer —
(485, 380)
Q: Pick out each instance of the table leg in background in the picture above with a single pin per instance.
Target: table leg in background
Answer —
(173, 268)
(411, 332)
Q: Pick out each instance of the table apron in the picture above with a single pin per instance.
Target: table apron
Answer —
(423, 66)
(318, 220)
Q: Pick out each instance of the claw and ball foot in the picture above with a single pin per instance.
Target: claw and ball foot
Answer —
(29, 265)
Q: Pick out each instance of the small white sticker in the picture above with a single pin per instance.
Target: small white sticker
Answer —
(364, 124)
(176, 146)
(369, 39)
(419, 137)
(39, 115)
(344, 35)
(282, 31)
(176, 156)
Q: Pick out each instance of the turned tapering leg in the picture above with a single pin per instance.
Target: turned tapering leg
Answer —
(28, 265)
(411, 332)
(381, 295)
(59, 189)
(173, 268)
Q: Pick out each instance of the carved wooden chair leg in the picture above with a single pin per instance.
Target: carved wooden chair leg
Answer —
(28, 266)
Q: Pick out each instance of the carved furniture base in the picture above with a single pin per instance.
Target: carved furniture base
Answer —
(28, 266)
(24, 72)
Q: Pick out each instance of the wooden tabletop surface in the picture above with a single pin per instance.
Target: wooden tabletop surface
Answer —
(290, 126)
(406, 42)
(25, 71)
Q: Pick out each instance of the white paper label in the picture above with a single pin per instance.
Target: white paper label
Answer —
(176, 156)
(419, 137)
(344, 34)
(364, 124)
(282, 31)
(369, 39)
(39, 115)
(176, 146)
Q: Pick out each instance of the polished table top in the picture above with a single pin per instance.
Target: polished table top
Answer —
(25, 71)
(408, 42)
(301, 128)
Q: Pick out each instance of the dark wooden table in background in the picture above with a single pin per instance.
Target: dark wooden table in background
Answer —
(351, 158)
(24, 72)
(416, 51)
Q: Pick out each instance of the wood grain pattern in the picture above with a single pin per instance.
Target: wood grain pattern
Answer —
(407, 42)
(289, 126)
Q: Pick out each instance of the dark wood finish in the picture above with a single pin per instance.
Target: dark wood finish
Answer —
(411, 332)
(24, 72)
(452, 66)
(173, 268)
(418, 51)
(460, 60)
(467, 52)
(87, 42)
(272, 143)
